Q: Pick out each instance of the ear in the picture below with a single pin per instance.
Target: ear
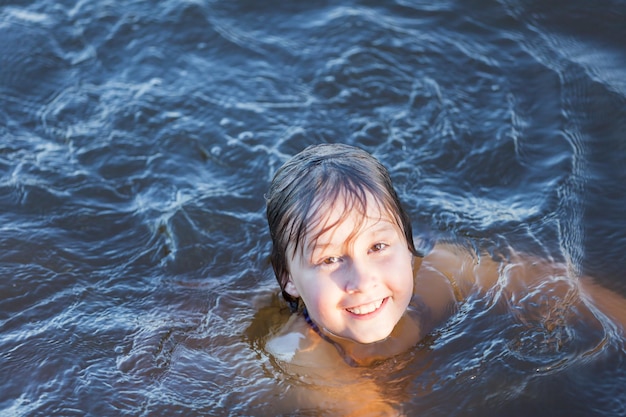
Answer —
(290, 288)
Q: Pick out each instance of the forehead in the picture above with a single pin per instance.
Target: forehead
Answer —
(351, 215)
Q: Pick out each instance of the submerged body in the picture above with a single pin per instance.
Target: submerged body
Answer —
(444, 279)
(540, 293)
(344, 256)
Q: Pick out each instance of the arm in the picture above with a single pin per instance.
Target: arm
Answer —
(521, 277)
(610, 303)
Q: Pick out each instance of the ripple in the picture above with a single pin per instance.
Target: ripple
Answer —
(137, 143)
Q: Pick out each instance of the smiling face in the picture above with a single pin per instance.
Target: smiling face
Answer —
(354, 272)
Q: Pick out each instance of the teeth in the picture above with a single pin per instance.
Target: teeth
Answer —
(366, 309)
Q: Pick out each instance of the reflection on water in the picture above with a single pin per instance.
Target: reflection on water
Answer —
(137, 141)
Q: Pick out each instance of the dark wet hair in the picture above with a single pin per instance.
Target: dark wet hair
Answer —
(318, 175)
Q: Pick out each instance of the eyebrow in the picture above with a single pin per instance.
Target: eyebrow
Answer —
(382, 225)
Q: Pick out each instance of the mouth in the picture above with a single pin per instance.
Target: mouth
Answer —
(366, 309)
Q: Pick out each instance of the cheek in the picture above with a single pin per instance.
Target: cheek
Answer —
(310, 289)
(403, 267)
(320, 298)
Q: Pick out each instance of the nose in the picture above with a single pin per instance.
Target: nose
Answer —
(361, 278)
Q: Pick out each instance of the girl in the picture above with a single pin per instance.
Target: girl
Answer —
(345, 260)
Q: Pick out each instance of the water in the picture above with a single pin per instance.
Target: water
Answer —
(137, 140)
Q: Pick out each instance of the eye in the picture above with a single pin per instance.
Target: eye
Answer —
(378, 247)
(331, 260)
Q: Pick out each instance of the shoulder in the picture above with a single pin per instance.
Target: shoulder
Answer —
(463, 267)
(445, 271)
(450, 259)
(289, 340)
(296, 344)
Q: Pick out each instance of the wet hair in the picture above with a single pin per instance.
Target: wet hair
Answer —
(311, 181)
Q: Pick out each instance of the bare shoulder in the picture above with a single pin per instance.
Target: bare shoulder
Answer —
(469, 271)
(452, 265)
(437, 283)
(297, 345)
(288, 341)
(324, 380)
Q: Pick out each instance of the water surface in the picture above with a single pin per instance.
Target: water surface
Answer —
(137, 140)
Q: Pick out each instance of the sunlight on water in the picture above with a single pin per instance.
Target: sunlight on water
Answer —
(138, 141)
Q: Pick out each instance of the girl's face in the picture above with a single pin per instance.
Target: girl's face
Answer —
(356, 279)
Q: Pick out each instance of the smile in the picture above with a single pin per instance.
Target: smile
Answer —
(366, 308)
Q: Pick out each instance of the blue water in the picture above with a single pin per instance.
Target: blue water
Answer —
(137, 140)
